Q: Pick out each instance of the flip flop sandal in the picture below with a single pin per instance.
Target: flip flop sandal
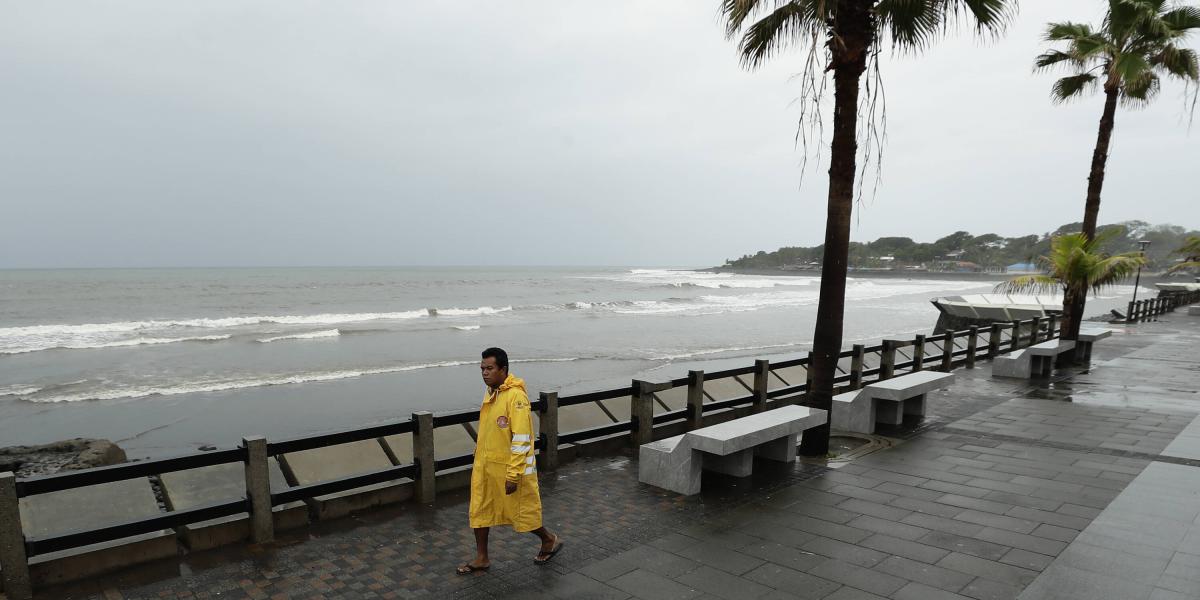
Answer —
(469, 568)
(544, 557)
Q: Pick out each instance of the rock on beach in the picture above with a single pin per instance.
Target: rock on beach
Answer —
(67, 455)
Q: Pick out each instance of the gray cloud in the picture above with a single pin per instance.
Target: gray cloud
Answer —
(145, 133)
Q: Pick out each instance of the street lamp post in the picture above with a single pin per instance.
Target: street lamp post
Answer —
(1138, 280)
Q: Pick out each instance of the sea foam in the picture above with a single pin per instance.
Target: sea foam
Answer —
(222, 385)
(34, 338)
(312, 335)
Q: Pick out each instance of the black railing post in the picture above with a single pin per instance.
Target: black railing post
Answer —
(972, 345)
(423, 456)
(641, 413)
(548, 431)
(887, 360)
(994, 341)
(856, 367)
(762, 374)
(918, 360)
(258, 489)
(1034, 330)
(948, 353)
(1016, 335)
(695, 399)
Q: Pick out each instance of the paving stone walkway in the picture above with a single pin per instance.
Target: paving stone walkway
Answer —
(1051, 489)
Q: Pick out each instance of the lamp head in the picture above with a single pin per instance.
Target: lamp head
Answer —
(1142, 244)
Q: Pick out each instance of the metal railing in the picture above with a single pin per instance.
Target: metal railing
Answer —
(1149, 309)
(763, 381)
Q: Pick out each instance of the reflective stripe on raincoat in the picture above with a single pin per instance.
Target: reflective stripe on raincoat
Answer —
(504, 452)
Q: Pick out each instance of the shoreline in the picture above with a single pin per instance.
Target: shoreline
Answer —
(1147, 279)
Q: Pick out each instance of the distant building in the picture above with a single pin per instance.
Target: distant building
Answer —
(1023, 268)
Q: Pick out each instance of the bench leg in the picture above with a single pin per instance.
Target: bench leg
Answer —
(857, 416)
(781, 450)
(915, 406)
(738, 464)
(677, 471)
(889, 412)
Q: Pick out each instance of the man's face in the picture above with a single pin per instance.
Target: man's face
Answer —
(493, 375)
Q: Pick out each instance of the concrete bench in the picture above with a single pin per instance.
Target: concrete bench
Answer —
(1083, 343)
(886, 401)
(1194, 310)
(675, 463)
(1038, 359)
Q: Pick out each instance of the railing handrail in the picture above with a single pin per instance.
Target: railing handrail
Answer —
(760, 394)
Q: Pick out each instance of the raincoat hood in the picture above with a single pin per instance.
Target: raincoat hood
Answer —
(513, 382)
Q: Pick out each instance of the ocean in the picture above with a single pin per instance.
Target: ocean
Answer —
(165, 361)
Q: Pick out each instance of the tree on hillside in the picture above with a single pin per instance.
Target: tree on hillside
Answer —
(846, 37)
(1137, 44)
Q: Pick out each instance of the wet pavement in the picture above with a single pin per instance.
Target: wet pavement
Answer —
(1007, 488)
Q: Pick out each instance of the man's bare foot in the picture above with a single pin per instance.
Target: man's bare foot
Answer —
(473, 567)
(548, 550)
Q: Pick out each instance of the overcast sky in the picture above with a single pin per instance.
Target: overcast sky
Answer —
(169, 133)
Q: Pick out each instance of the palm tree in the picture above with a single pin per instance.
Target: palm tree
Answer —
(1190, 251)
(1075, 266)
(843, 37)
(1137, 44)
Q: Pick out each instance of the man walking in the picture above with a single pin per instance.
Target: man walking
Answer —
(504, 485)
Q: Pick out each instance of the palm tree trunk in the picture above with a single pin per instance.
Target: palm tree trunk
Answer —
(1091, 210)
(853, 36)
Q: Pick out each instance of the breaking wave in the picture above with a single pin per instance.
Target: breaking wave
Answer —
(19, 390)
(313, 335)
(138, 341)
(685, 355)
(34, 338)
(222, 385)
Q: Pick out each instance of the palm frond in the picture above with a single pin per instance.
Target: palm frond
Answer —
(912, 24)
(993, 15)
(1178, 62)
(1131, 67)
(1114, 269)
(1056, 58)
(915, 24)
(1071, 87)
(1190, 264)
(1029, 284)
(1190, 247)
(1182, 19)
(1092, 46)
(735, 13)
(1138, 94)
(790, 23)
(1067, 31)
(1074, 263)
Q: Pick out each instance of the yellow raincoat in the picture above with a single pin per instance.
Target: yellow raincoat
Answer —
(504, 452)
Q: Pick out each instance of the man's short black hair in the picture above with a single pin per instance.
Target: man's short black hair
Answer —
(499, 354)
